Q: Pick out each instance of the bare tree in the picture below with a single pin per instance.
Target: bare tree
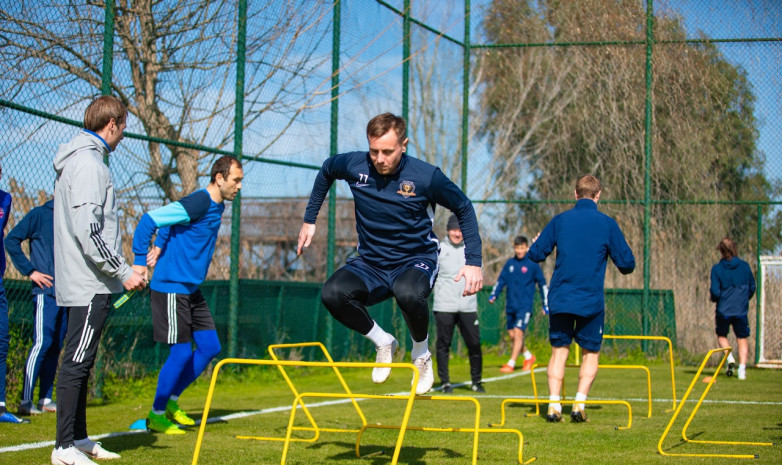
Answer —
(174, 68)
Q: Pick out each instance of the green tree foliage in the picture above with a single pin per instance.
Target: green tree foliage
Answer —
(553, 113)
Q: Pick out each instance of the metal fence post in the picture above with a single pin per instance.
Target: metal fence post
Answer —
(333, 147)
(236, 205)
(647, 167)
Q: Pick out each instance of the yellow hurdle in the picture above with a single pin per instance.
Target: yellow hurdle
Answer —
(273, 352)
(646, 338)
(476, 429)
(624, 367)
(537, 403)
(695, 379)
(670, 358)
(348, 394)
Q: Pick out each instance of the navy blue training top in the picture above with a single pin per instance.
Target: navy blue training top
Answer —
(584, 239)
(395, 212)
(732, 285)
(520, 276)
(38, 227)
(5, 214)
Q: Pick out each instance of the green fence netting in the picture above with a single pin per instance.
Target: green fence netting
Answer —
(674, 105)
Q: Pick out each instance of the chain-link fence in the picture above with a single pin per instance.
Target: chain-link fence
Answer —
(674, 105)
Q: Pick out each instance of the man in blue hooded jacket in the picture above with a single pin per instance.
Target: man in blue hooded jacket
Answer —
(732, 285)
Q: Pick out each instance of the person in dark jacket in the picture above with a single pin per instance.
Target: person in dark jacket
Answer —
(50, 320)
(5, 336)
(584, 239)
(520, 275)
(732, 285)
(395, 197)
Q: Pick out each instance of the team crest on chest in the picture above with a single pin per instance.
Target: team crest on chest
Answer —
(406, 188)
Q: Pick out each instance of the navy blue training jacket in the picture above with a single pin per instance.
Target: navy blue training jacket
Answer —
(395, 213)
(584, 239)
(520, 276)
(38, 227)
(732, 285)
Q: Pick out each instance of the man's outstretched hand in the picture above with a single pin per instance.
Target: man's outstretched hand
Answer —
(473, 279)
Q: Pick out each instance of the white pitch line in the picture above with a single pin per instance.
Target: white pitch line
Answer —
(234, 416)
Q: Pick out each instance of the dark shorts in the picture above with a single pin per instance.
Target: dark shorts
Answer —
(176, 316)
(380, 281)
(586, 330)
(518, 320)
(740, 325)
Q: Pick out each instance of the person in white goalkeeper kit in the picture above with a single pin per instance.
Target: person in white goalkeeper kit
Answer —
(395, 197)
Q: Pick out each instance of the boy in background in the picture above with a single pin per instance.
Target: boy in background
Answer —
(520, 275)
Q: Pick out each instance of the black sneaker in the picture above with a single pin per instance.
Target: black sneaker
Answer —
(578, 415)
(477, 387)
(553, 416)
(729, 370)
(447, 389)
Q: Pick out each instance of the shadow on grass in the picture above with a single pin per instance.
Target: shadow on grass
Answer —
(215, 412)
(682, 442)
(410, 455)
(120, 444)
(544, 406)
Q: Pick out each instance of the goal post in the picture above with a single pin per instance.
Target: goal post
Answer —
(769, 325)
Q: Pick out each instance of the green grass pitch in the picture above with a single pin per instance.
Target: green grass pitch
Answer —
(257, 402)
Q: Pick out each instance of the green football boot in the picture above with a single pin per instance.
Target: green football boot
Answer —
(161, 424)
(177, 415)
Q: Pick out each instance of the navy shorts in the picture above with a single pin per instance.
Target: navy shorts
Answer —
(586, 330)
(740, 325)
(518, 320)
(380, 281)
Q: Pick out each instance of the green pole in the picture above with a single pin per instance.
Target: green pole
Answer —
(108, 48)
(105, 89)
(465, 93)
(108, 55)
(333, 147)
(647, 167)
(760, 290)
(406, 61)
(236, 205)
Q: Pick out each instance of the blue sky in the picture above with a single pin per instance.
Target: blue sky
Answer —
(727, 19)
(371, 48)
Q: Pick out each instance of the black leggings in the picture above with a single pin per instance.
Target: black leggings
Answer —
(345, 296)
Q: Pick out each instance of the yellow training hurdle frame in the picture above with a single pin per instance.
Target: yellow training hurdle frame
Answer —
(646, 338)
(292, 387)
(670, 358)
(537, 403)
(347, 395)
(475, 430)
(365, 425)
(695, 378)
(291, 363)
